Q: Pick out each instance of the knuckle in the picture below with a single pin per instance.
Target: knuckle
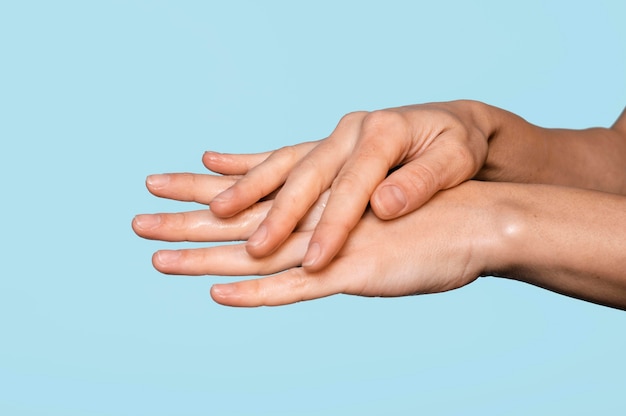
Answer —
(252, 288)
(353, 117)
(250, 189)
(176, 221)
(302, 286)
(309, 176)
(465, 159)
(298, 282)
(333, 231)
(288, 154)
(424, 181)
(348, 182)
(463, 154)
(286, 215)
(308, 165)
(340, 228)
(382, 120)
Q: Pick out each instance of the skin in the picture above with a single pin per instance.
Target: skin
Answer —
(353, 162)
(560, 238)
(520, 152)
(437, 146)
(563, 239)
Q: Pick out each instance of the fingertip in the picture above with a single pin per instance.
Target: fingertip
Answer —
(259, 251)
(256, 240)
(316, 258)
(155, 182)
(166, 260)
(224, 196)
(266, 239)
(312, 255)
(221, 293)
(389, 201)
(221, 204)
(209, 157)
(133, 225)
(219, 163)
(327, 241)
(233, 294)
(146, 222)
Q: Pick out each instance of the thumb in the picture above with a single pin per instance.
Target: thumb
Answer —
(412, 185)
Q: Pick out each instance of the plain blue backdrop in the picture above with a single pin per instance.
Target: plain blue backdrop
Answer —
(94, 96)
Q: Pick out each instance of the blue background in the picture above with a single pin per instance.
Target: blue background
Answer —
(94, 96)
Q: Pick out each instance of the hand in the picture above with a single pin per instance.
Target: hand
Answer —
(437, 146)
(437, 248)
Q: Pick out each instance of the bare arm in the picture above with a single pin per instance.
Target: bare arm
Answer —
(593, 158)
(567, 240)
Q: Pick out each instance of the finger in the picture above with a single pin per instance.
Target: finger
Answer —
(260, 180)
(232, 164)
(200, 226)
(189, 187)
(443, 165)
(292, 286)
(230, 260)
(382, 144)
(311, 177)
(203, 226)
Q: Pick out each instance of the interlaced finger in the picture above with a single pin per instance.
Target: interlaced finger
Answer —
(381, 145)
(189, 187)
(231, 260)
(306, 182)
(200, 226)
(259, 180)
(291, 286)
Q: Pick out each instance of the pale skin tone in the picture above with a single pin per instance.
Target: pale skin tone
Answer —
(527, 232)
(564, 239)
(438, 145)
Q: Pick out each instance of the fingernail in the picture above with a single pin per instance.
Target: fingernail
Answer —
(211, 154)
(157, 181)
(312, 254)
(258, 237)
(223, 197)
(168, 256)
(222, 290)
(147, 221)
(391, 200)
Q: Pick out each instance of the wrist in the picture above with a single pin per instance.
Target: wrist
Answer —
(479, 115)
(493, 223)
(497, 242)
(517, 150)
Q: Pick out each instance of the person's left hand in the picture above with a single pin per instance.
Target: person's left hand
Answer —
(440, 247)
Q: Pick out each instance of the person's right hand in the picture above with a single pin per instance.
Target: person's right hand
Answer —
(436, 146)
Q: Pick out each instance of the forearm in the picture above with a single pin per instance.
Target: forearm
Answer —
(594, 158)
(567, 240)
